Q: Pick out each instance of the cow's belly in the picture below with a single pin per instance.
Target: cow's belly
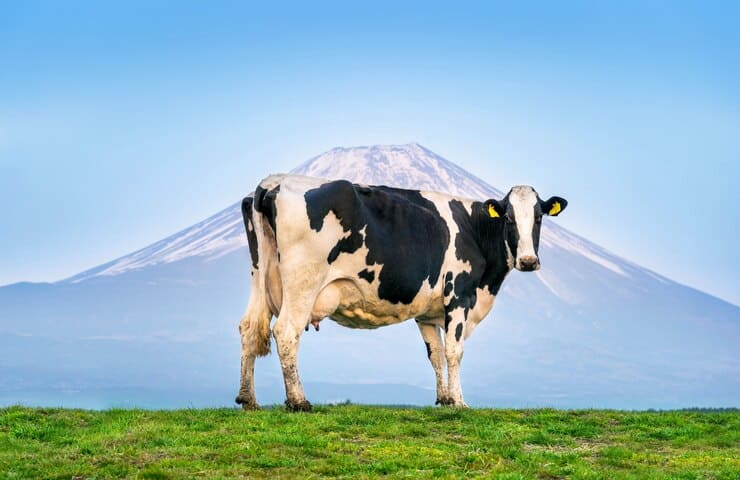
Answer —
(350, 305)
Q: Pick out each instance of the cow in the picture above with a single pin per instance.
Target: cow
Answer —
(369, 256)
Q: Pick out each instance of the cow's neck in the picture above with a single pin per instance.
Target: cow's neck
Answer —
(491, 239)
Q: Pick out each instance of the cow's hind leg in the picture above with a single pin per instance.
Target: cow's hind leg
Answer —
(254, 329)
(287, 331)
(436, 354)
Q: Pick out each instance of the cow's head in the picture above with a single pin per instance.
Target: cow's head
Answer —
(521, 212)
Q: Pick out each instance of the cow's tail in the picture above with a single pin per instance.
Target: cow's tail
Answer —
(251, 232)
(258, 312)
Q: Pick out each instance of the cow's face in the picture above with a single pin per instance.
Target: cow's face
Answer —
(521, 212)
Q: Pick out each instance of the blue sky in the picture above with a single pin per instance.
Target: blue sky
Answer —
(122, 122)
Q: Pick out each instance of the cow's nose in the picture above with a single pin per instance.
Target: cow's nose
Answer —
(528, 263)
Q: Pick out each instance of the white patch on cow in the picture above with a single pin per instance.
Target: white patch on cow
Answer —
(523, 199)
(509, 255)
(333, 228)
(483, 304)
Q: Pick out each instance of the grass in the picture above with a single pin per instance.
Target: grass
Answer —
(365, 442)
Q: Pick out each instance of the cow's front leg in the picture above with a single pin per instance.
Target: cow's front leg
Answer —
(287, 332)
(436, 354)
(454, 340)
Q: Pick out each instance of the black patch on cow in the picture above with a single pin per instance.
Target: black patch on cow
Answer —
(249, 227)
(367, 275)
(349, 244)
(264, 203)
(448, 288)
(403, 232)
(429, 349)
(536, 228)
(448, 283)
(458, 331)
(480, 243)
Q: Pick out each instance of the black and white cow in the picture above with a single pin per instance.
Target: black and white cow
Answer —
(369, 256)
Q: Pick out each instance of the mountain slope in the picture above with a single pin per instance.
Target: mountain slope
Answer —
(588, 329)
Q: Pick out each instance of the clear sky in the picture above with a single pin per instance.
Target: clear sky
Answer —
(122, 121)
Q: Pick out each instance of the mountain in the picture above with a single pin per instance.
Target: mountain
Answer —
(158, 327)
(410, 166)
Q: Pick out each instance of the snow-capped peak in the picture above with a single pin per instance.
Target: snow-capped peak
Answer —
(406, 166)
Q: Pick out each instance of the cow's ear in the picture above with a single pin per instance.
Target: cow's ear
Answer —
(554, 206)
(494, 208)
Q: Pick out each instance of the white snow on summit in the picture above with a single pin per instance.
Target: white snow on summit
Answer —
(405, 166)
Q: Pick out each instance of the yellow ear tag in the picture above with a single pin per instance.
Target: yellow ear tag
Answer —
(492, 212)
(555, 209)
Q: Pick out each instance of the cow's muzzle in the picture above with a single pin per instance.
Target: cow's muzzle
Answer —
(529, 263)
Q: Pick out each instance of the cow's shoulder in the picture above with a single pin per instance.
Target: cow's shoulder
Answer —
(468, 228)
(479, 243)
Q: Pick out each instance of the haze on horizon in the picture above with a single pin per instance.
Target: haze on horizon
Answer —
(123, 123)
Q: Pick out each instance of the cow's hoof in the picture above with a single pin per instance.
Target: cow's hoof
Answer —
(444, 401)
(249, 407)
(246, 403)
(304, 406)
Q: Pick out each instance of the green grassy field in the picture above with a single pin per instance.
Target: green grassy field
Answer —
(362, 441)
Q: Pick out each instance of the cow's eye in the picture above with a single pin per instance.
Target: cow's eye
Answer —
(508, 218)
